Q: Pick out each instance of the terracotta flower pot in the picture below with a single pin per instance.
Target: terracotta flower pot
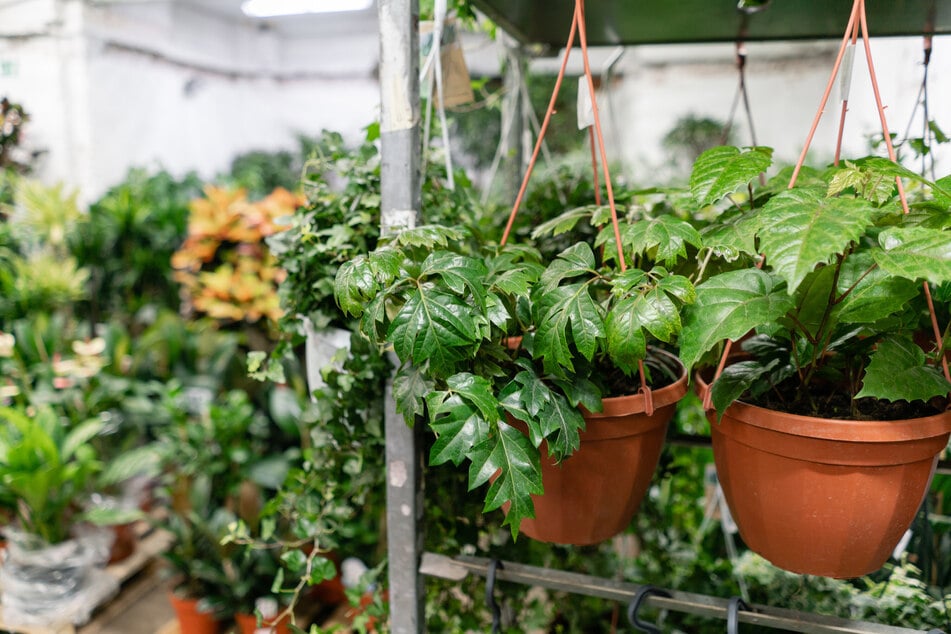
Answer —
(124, 544)
(190, 620)
(592, 495)
(248, 624)
(821, 496)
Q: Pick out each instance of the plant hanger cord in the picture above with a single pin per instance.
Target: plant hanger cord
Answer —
(578, 23)
(742, 94)
(857, 19)
(433, 67)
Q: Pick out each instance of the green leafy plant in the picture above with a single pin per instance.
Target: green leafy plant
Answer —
(840, 295)
(128, 243)
(217, 466)
(46, 470)
(448, 306)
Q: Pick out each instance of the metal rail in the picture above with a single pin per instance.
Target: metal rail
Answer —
(458, 568)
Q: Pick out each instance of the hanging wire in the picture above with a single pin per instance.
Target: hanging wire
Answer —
(578, 24)
(857, 15)
(921, 103)
(433, 67)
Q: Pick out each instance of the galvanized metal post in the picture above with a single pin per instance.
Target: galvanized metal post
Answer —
(399, 130)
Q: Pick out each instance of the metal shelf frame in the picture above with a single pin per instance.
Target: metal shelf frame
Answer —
(408, 564)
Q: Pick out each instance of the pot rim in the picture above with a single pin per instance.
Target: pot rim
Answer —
(870, 431)
(634, 403)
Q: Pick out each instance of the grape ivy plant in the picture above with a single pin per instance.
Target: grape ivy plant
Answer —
(830, 274)
(452, 306)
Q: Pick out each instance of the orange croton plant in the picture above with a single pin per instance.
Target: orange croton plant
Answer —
(224, 265)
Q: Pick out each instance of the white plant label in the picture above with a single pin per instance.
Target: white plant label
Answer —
(585, 108)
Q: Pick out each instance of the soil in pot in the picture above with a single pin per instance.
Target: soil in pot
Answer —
(592, 495)
(823, 496)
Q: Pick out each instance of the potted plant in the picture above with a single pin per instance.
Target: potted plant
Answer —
(46, 469)
(828, 428)
(450, 307)
(217, 465)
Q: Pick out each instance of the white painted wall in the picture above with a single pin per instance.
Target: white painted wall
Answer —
(162, 84)
(660, 84)
(174, 84)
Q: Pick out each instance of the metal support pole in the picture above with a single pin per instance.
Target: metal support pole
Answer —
(400, 184)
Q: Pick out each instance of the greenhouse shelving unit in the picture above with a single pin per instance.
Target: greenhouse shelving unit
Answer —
(610, 22)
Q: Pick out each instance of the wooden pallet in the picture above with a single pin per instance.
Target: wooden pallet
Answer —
(150, 545)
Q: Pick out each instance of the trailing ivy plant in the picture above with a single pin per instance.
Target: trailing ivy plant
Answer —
(830, 274)
(450, 307)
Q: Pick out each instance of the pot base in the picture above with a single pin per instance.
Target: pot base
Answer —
(824, 497)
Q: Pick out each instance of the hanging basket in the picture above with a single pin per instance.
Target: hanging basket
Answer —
(592, 495)
(824, 496)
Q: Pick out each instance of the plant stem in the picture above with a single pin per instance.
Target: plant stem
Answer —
(735, 204)
(703, 267)
(849, 290)
(822, 337)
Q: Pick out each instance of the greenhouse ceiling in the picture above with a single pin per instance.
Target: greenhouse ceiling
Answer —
(612, 22)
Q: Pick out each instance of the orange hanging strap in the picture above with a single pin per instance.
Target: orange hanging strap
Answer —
(578, 23)
(594, 167)
(541, 132)
(857, 20)
(845, 86)
(825, 96)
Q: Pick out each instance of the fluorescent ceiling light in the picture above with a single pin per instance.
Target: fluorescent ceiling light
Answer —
(273, 8)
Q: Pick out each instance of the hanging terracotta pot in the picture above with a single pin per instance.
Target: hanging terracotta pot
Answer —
(593, 494)
(248, 624)
(823, 496)
(190, 619)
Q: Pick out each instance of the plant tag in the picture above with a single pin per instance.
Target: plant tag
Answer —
(457, 85)
(902, 544)
(585, 108)
(845, 78)
(321, 351)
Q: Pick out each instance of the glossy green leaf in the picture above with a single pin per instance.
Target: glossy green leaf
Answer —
(664, 238)
(354, 284)
(678, 286)
(897, 372)
(561, 423)
(535, 395)
(433, 326)
(564, 222)
(801, 228)
(509, 454)
(722, 170)
(477, 390)
(733, 234)
(459, 273)
(735, 379)
(573, 317)
(874, 294)
(574, 261)
(727, 307)
(459, 427)
(428, 236)
(915, 253)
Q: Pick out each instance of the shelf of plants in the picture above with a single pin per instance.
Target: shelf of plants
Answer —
(509, 315)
